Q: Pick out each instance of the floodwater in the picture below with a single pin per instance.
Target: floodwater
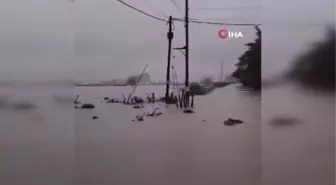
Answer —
(301, 153)
(175, 148)
(36, 144)
(287, 138)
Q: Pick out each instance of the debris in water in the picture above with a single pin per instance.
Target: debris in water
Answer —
(95, 117)
(106, 98)
(188, 111)
(77, 101)
(158, 114)
(138, 106)
(137, 100)
(87, 106)
(237, 121)
(232, 122)
(153, 113)
(204, 120)
(140, 118)
(111, 101)
(229, 123)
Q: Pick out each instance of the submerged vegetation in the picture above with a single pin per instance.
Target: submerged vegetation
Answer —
(249, 65)
(316, 67)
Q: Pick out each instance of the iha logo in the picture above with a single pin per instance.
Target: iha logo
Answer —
(223, 34)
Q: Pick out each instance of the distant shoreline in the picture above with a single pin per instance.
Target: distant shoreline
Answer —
(119, 85)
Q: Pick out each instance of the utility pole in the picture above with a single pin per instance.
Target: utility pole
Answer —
(187, 43)
(170, 36)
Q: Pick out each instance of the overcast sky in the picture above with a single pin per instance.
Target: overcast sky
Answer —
(102, 39)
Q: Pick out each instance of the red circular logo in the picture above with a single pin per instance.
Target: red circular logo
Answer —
(223, 33)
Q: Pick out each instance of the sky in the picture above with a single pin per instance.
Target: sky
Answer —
(93, 40)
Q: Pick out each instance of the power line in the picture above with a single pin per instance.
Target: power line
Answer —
(154, 11)
(182, 20)
(218, 23)
(229, 8)
(138, 10)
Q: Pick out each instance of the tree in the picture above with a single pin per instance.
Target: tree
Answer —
(316, 67)
(132, 80)
(207, 81)
(249, 66)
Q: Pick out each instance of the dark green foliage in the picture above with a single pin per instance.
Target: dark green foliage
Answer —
(316, 68)
(249, 65)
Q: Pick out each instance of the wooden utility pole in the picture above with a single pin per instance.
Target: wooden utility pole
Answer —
(170, 36)
(187, 42)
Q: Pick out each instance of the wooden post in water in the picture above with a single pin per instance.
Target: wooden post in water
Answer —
(76, 101)
(170, 36)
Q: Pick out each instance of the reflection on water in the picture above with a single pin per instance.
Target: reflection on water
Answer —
(16, 105)
(284, 121)
(298, 136)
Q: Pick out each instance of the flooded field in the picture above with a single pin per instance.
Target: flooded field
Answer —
(287, 138)
(174, 148)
